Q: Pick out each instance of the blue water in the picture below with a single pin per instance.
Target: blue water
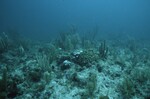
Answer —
(44, 19)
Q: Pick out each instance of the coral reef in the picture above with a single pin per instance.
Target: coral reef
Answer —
(68, 68)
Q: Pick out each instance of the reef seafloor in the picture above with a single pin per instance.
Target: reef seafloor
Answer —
(71, 67)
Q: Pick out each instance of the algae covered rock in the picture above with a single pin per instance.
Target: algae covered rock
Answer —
(85, 57)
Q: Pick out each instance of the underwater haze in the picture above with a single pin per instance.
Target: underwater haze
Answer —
(75, 49)
(45, 19)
